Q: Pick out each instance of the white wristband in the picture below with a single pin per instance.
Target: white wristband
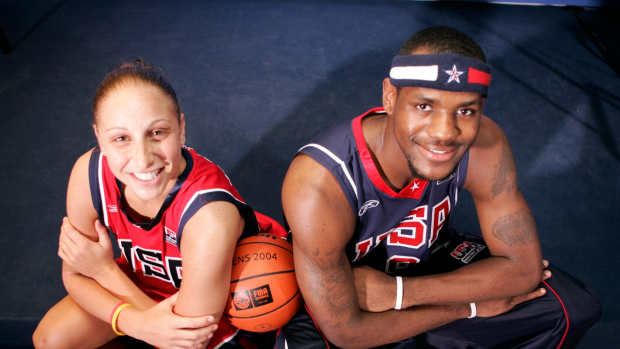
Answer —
(473, 310)
(399, 293)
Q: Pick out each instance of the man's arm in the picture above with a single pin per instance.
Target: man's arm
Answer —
(322, 222)
(508, 229)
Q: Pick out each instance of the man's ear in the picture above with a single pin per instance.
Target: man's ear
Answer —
(390, 92)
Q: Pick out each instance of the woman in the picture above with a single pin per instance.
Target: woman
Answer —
(162, 201)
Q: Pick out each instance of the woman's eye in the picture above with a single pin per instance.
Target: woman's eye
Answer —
(158, 133)
(120, 139)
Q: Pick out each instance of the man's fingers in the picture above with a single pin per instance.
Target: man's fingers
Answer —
(545, 264)
(546, 274)
(539, 292)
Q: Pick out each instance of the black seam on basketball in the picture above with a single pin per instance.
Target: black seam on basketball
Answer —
(271, 311)
(266, 243)
(261, 275)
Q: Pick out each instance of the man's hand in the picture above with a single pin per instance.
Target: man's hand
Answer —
(499, 306)
(495, 307)
(162, 328)
(87, 257)
(376, 291)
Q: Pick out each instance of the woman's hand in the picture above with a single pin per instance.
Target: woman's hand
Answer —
(87, 257)
(162, 328)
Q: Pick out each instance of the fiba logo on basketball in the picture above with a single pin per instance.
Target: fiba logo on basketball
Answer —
(259, 296)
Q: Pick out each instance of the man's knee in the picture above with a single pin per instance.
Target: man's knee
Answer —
(587, 314)
(580, 306)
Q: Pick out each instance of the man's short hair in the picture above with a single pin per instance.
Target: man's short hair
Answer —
(443, 40)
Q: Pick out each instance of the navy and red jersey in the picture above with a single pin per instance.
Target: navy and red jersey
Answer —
(151, 252)
(394, 230)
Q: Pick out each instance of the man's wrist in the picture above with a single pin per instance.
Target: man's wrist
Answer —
(398, 303)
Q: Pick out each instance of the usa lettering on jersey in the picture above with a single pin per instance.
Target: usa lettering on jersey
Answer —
(151, 263)
(411, 232)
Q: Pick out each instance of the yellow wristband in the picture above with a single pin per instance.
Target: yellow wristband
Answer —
(114, 321)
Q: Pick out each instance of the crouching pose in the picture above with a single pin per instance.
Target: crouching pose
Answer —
(176, 218)
(369, 204)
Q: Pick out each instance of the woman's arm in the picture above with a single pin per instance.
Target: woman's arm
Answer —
(207, 247)
(156, 324)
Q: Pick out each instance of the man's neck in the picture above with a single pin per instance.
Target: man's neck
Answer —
(387, 156)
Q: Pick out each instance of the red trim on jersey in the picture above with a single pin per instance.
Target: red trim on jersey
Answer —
(475, 76)
(413, 190)
(565, 313)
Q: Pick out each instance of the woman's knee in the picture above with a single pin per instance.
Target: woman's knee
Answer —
(45, 337)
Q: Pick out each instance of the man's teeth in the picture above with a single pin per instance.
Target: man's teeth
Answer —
(438, 151)
(146, 176)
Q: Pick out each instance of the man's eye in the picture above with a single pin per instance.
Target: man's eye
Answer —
(120, 139)
(466, 112)
(424, 107)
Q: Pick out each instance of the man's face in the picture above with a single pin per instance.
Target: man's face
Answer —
(434, 128)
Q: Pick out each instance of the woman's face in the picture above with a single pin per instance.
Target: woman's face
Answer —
(141, 136)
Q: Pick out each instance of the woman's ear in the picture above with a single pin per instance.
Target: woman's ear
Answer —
(182, 127)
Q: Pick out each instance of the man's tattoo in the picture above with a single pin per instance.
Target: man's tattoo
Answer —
(505, 172)
(328, 279)
(515, 229)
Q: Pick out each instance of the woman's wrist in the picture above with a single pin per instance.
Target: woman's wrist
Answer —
(125, 320)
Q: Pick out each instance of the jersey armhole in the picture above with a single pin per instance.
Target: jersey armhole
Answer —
(204, 197)
(461, 170)
(337, 168)
(94, 182)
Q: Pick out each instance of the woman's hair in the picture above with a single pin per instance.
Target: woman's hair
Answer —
(137, 71)
(443, 40)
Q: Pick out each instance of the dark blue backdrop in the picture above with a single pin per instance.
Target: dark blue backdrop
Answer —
(257, 79)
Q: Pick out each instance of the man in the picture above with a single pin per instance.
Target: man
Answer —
(368, 204)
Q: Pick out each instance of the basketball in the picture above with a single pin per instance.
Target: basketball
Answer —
(263, 290)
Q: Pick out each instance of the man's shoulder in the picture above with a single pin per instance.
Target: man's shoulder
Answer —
(489, 157)
(490, 135)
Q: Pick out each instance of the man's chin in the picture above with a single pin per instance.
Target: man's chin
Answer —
(430, 176)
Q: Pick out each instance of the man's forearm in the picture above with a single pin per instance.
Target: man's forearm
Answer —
(490, 278)
(367, 329)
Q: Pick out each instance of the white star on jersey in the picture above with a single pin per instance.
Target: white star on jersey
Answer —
(415, 186)
(454, 74)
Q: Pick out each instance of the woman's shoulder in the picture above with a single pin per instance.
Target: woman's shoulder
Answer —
(206, 174)
(80, 208)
